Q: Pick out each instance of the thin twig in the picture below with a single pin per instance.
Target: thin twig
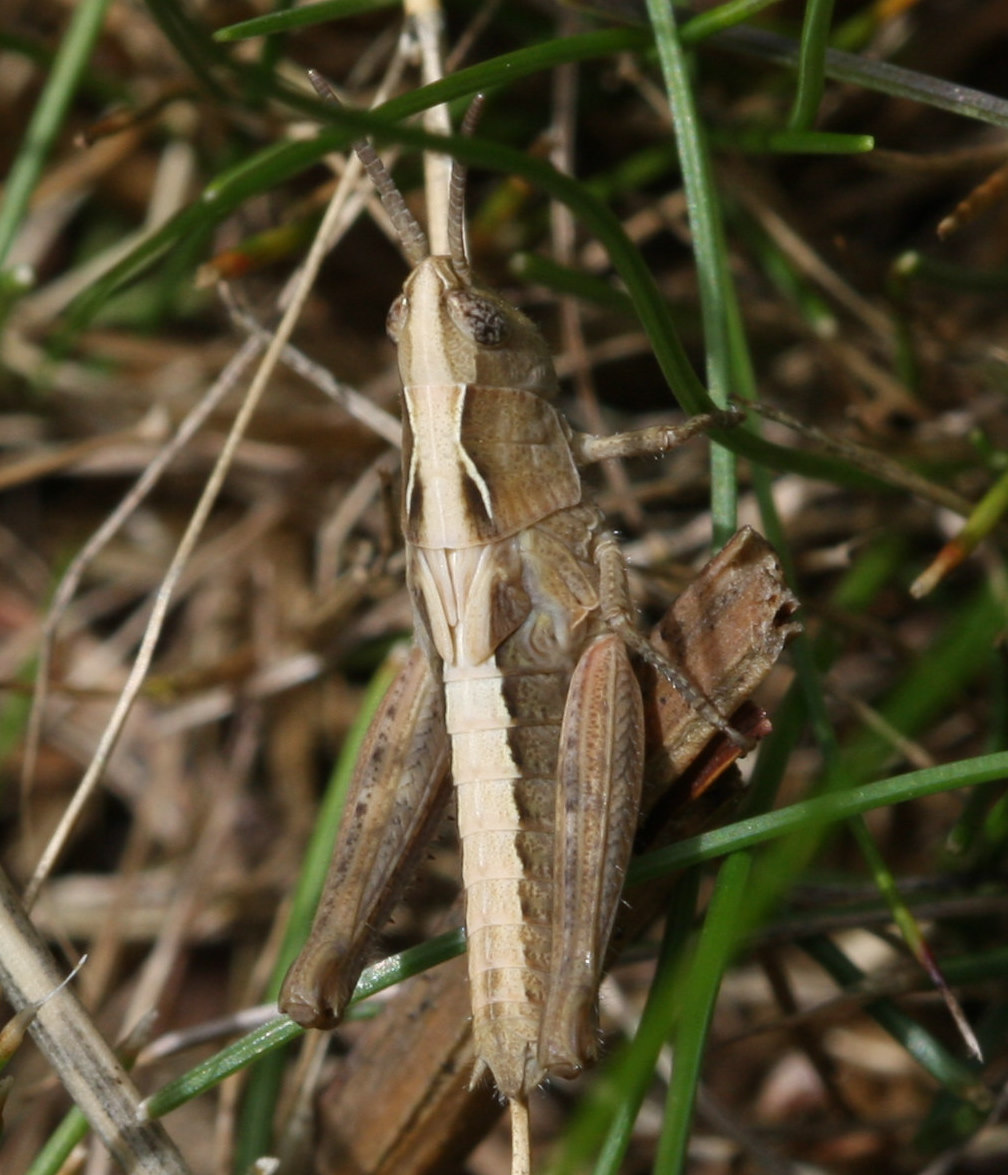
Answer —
(354, 403)
(565, 91)
(521, 1143)
(68, 585)
(68, 1039)
(427, 22)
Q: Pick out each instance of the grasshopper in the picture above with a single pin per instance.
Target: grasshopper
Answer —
(520, 684)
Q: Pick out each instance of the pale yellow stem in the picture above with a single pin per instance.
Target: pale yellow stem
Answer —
(521, 1146)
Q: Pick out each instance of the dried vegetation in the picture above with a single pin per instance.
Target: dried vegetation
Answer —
(883, 337)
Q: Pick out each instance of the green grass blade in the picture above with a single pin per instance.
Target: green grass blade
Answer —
(604, 1121)
(58, 1147)
(47, 119)
(697, 996)
(304, 16)
(810, 817)
(717, 20)
(282, 1030)
(710, 250)
(778, 141)
(233, 1059)
(874, 75)
(811, 64)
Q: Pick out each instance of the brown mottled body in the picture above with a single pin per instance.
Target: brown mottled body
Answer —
(506, 592)
(541, 709)
(522, 616)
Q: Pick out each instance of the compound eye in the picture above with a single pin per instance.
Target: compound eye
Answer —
(395, 320)
(478, 317)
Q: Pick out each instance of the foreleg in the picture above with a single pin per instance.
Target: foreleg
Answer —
(645, 442)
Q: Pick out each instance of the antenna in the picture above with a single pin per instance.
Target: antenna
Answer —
(408, 230)
(456, 195)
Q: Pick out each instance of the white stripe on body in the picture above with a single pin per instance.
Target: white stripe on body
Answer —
(441, 467)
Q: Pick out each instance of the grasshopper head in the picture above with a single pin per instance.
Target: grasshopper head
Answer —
(449, 331)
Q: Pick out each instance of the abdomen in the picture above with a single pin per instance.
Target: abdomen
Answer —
(504, 765)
